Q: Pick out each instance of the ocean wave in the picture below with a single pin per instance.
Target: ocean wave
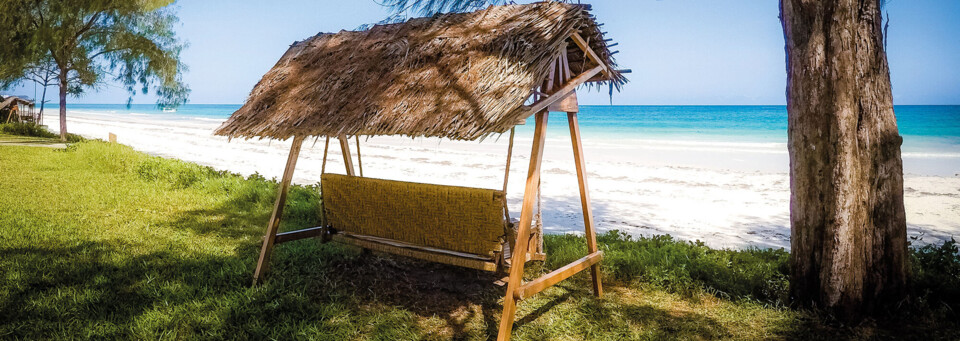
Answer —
(91, 112)
(692, 145)
(209, 119)
(929, 155)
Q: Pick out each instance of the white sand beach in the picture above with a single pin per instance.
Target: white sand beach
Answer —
(724, 194)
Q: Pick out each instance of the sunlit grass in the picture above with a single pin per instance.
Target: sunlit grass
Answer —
(100, 241)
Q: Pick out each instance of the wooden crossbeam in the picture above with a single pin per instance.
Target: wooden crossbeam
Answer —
(555, 276)
(567, 88)
(602, 78)
(415, 251)
(590, 53)
(298, 234)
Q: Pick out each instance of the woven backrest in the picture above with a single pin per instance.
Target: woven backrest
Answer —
(452, 218)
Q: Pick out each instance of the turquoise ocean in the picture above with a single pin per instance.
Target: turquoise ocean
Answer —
(928, 131)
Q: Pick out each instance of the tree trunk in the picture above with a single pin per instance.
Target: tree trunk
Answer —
(848, 229)
(43, 100)
(63, 104)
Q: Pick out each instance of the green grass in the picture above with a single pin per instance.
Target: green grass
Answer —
(100, 241)
(33, 130)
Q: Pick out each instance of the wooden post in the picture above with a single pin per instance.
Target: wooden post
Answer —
(359, 159)
(345, 150)
(591, 234)
(523, 233)
(506, 175)
(326, 148)
(263, 264)
(112, 137)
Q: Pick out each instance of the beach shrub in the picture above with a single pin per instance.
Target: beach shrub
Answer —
(256, 195)
(26, 129)
(34, 130)
(303, 205)
(103, 157)
(935, 276)
(176, 173)
(756, 274)
(681, 266)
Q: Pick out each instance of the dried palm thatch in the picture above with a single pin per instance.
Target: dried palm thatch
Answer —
(13, 100)
(460, 76)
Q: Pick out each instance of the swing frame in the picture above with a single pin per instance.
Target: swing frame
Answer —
(560, 95)
(462, 76)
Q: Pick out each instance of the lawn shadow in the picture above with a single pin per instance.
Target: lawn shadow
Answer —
(470, 305)
(99, 288)
(115, 290)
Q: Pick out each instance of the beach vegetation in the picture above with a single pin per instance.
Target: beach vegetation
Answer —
(100, 241)
(33, 130)
(92, 42)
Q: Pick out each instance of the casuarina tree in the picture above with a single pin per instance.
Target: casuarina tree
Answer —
(92, 42)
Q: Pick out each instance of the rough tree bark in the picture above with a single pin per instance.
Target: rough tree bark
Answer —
(63, 104)
(848, 229)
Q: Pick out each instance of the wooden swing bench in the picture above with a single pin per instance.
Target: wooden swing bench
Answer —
(428, 77)
(454, 225)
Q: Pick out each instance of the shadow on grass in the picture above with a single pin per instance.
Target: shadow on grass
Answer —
(98, 288)
(109, 290)
(116, 291)
(65, 288)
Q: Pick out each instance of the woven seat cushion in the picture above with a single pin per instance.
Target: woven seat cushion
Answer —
(462, 219)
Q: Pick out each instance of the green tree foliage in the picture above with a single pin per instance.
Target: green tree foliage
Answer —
(402, 8)
(92, 41)
(430, 7)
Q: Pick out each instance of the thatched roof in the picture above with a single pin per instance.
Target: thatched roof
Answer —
(460, 76)
(13, 100)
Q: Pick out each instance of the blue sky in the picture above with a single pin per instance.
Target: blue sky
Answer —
(680, 51)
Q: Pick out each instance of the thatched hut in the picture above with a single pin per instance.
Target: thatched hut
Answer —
(461, 76)
(17, 109)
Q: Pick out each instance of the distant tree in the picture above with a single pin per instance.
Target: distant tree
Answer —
(848, 228)
(44, 73)
(132, 42)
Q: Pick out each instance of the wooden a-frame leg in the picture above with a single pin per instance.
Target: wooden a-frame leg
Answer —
(590, 232)
(523, 233)
(263, 264)
(345, 150)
